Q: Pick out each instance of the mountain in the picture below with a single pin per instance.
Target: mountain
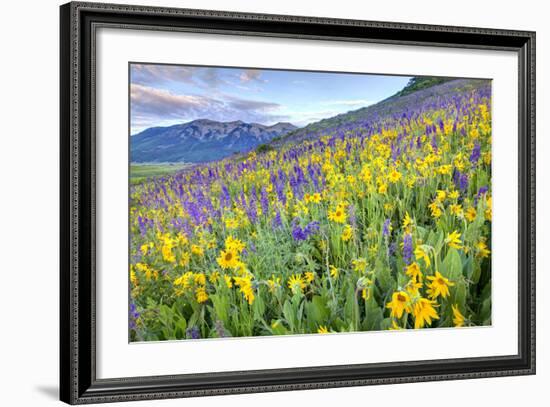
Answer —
(201, 140)
(418, 93)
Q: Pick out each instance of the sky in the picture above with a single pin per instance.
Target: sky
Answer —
(164, 95)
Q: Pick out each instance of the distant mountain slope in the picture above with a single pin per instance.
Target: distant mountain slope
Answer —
(426, 95)
(201, 140)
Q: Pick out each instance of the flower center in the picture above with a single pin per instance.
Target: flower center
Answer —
(228, 256)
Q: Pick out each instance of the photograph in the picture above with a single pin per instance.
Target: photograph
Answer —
(290, 202)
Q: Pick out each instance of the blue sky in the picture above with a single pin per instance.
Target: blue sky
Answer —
(163, 95)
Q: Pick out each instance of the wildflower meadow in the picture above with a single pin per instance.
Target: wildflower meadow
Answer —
(380, 222)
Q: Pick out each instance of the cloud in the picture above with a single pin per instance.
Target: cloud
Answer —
(155, 107)
(249, 75)
(146, 74)
(211, 77)
(247, 104)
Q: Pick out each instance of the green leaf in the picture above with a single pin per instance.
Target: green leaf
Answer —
(317, 312)
(383, 276)
(452, 265)
(373, 315)
(289, 315)
(277, 328)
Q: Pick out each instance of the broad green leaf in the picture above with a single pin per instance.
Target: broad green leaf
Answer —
(452, 265)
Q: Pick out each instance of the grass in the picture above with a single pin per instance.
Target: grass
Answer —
(140, 173)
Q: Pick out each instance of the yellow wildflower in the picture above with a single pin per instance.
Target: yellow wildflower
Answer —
(359, 265)
(201, 294)
(296, 283)
(228, 259)
(470, 214)
(322, 329)
(424, 312)
(338, 215)
(214, 277)
(228, 281)
(231, 223)
(245, 285)
(399, 303)
(184, 280)
(199, 278)
(413, 271)
(167, 254)
(133, 278)
(456, 209)
(482, 249)
(273, 283)
(435, 209)
(184, 259)
(394, 176)
(309, 276)
(234, 244)
(422, 253)
(347, 233)
(489, 210)
(197, 250)
(458, 318)
(453, 240)
(439, 286)
(407, 221)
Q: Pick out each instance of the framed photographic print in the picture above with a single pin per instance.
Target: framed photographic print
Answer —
(256, 203)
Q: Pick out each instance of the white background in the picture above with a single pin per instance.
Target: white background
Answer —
(29, 201)
(117, 359)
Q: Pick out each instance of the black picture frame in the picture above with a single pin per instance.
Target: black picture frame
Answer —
(78, 382)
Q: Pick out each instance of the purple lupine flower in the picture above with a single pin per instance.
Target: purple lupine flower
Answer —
(434, 143)
(134, 315)
(463, 182)
(225, 198)
(277, 222)
(456, 176)
(142, 226)
(407, 248)
(386, 228)
(252, 209)
(280, 190)
(481, 191)
(476, 153)
(264, 201)
(391, 249)
(299, 233)
(193, 333)
(311, 228)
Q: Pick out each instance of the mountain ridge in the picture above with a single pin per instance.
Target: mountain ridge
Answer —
(201, 140)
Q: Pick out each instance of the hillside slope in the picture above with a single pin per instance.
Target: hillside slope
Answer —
(397, 105)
